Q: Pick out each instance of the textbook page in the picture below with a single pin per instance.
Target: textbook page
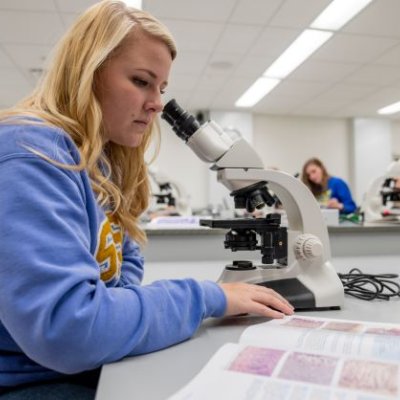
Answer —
(328, 336)
(267, 370)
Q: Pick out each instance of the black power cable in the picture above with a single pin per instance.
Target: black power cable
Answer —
(370, 286)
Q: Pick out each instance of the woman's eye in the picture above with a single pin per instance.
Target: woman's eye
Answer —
(140, 82)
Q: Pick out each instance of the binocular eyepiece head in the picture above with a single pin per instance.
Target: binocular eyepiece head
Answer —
(183, 123)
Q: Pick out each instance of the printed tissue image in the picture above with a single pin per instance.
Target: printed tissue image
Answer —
(256, 360)
(312, 368)
(344, 326)
(375, 377)
(303, 323)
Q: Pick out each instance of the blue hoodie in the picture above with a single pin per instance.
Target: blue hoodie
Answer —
(70, 293)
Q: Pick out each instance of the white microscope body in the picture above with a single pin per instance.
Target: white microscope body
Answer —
(374, 207)
(307, 279)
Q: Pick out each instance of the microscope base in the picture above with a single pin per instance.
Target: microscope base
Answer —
(323, 292)
(296, 293)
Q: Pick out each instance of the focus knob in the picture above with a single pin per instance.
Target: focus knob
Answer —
(307, 246)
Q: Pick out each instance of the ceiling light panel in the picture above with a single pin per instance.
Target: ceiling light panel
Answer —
(338, 13)
(390, 109)
(260, 88)
(305, 44)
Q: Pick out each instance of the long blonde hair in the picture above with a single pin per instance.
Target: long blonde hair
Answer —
(65, 98)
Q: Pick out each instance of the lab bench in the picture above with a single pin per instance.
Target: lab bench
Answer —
(158, 375)
(197, 244)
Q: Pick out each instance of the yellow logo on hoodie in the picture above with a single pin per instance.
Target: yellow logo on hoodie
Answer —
(109, 249)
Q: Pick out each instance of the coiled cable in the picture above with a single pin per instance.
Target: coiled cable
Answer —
(370, 286)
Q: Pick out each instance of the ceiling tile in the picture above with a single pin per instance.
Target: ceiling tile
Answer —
(195, 36)
(253, 66)
(185, 82)
(189, 62)
(30, 27)
(316, 108)
(28, 56)
(320, 71)
(191, 10)
(360, 108)
(384, 96)
(5, 60)
(259, 13)
(13, 86)
(76, 6)
(12, 76)
(298, 13)
(224, 46)
(230, 92)
(375, 74)
(11, 94)
(353, 48)
(300, 89)
(390, 57)
(273, 42)
(27, 5)
(276, 104)
(201, 98)
(380, 18)
(68, 18)
(346, 92)
(237, 39)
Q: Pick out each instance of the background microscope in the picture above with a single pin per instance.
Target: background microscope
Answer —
(168, 197)
(382, 200)
(295, 260)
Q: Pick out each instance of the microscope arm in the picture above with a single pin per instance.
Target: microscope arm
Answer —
(303, 212)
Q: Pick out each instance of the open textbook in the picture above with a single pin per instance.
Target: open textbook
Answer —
(301, 358)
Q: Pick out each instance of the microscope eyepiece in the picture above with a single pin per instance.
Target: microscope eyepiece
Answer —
(182, 123)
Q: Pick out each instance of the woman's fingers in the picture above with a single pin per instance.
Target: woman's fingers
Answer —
(273, 300)
(265, 311)
(268, 290)
(254, 299)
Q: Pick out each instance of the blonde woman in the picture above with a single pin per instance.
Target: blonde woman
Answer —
(73, 183)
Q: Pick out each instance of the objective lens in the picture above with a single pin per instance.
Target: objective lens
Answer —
(254, 201)
(182, 123)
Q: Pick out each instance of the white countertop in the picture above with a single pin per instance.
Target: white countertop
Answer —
(158, 375)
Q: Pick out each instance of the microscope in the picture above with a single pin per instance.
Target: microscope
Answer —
(295, 260)
(168, 193)
(382, 200)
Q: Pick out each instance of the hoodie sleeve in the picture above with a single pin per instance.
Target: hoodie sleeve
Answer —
(132, 263)
(52, 300)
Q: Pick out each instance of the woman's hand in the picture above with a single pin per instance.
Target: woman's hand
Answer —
(335, 203)
(243, 298)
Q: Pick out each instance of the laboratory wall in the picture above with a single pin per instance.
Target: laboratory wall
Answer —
(287, 142)
(396, 140)
(178, 162)
(371, 153)
(282, 142)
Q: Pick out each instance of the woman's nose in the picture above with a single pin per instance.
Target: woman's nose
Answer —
(155, 104)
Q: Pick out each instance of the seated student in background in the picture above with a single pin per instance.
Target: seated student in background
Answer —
(330, 191)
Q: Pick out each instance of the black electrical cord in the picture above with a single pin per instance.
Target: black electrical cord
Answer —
(370, 286)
